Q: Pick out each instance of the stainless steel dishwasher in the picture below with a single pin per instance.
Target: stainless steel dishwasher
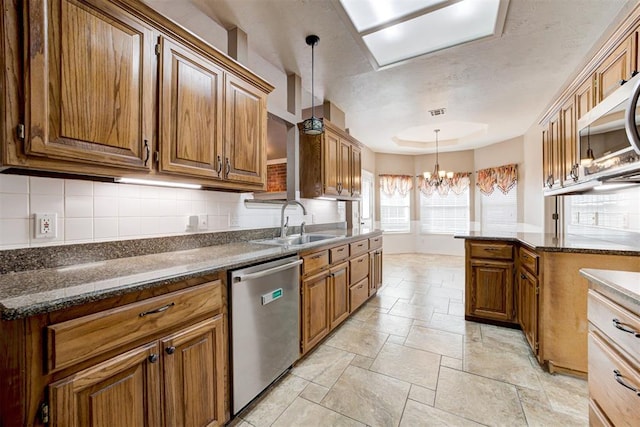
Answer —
(264, 325)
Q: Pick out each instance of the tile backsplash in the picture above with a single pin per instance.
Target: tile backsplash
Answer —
(90, 211)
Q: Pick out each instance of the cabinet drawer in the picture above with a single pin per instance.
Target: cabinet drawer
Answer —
(358, 294)
(79, 339)
(359, 268)
(339, 253)
(529, 260)
(619, 324)
(315, 261)
(619, 403)
(375, 243)
(491, 250)
(359, 247)
(596, 417)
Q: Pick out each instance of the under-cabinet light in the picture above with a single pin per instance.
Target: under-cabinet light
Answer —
(157, 183)
(606, 186)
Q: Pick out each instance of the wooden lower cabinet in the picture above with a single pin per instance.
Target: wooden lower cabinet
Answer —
(338, 294)
(527, 307)
(489, 293)
(121, 391)
(375, 271)
(358, 294)
(315, 309)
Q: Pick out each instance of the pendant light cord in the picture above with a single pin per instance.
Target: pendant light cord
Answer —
(313, 107)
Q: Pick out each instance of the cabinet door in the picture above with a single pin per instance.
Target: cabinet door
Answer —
(569, 161)
(375, 271)
(584, 98)
(194, 385)
(190, 103)
(331, 163)
(245, 133)
(123, 391)
(546, 158)
(344, 183)
(338, 294)
(356, 171)
(616, 68)
(89, 84)
(490, 292)
(528, 307)
(315, 310)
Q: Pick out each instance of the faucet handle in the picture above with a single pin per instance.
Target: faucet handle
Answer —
(286, 222)
(302, 228)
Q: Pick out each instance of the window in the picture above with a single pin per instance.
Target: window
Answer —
(499, 211)
(395, 203)
(444, 214)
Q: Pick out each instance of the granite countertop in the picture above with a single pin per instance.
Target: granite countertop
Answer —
(27, 293)
(622, 287)
(567, 243)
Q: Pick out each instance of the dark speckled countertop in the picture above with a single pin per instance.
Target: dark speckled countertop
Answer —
(567, 243)
(26, 293)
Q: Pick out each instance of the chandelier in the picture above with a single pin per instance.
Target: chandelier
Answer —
(313, 125)
(438, 177)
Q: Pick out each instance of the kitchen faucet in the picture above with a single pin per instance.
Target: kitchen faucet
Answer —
(283, 225)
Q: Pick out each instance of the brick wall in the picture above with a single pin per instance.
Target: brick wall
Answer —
(277, 177)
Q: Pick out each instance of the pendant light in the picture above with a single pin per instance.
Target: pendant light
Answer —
(438, 176)
(313, 125)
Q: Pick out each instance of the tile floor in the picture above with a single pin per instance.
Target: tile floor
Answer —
(408, 358)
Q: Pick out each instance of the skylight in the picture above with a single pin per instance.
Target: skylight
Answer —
(393, 31)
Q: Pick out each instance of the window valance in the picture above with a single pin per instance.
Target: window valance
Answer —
(457, 184)
(390, 184)
(504, 177)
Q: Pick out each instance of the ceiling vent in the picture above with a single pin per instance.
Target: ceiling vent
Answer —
(437, 112)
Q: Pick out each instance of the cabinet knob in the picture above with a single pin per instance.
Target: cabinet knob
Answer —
(170, 350)
(522, 276)
(153, 358)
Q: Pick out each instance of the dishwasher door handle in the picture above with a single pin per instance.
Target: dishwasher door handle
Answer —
(266, 272)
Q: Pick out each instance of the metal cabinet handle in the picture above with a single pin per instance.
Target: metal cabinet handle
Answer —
(147, 151)
(522, 276)
(153, 358)
(619, 378)
(170, 350)
(550, 180)
(316, 256)
(158, 310)
(492, 249)
(618, 324)
(219, 166)
(574, 172)
(360, 287)
(360, 260)
(228, 168)
(268, 271)
(340, 250)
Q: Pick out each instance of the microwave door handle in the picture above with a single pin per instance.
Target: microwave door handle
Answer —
(630, 124)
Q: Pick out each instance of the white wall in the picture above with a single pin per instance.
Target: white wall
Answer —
(96, 211)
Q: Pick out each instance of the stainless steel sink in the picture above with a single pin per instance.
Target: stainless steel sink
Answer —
(296, 239)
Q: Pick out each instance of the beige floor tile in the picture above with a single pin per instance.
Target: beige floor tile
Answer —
(269, 407)
(539, 412)
(456, 309)
(304, 413)
(420, 287)
(506, 339)
(314, 392)
(439, 303)
(422, 395)
(362, 361)
(403, 309)
(452, 294)
(451, 362)
(512, 368)
(324, 365)
(435, 341)
(382, 301)
(389, 324)
(455, 324)
(566, 394)
(365, 342)
(479, 399)
(397, 292)
(418, 415)
(369, 397)
(408, 364)
(364, 313)
(396, 339)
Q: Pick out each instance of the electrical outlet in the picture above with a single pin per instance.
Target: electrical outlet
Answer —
(46, 225)
(234, 221)
(203, 222)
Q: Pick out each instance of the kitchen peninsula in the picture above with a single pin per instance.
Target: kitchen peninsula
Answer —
(532, 281)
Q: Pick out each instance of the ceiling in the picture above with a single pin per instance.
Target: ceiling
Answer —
(498, 86)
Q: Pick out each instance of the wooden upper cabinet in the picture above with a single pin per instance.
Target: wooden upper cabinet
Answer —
(617, 67)
(190, 111)
(344, 167)
(122, 391)
(194, 375)
(89, 84)
(568, 134)
(356, 171)
(245, 133)
(331, 164)
(551, 150)
(584, 98)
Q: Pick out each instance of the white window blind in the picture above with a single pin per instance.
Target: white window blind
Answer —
(499, 211)
(444, 214)
(395, 212)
